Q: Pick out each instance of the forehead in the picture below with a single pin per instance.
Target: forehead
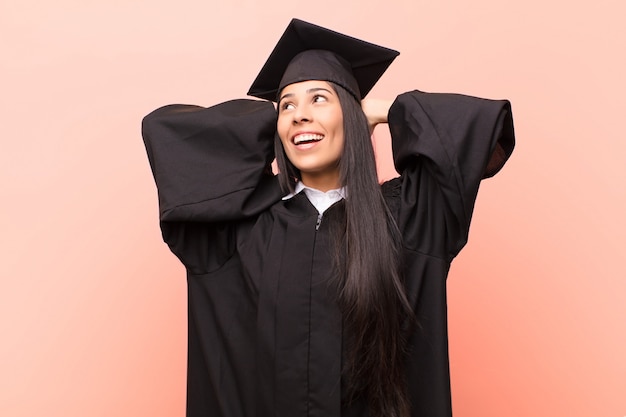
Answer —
(305, 86)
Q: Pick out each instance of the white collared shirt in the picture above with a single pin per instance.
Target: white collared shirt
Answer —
(320, 200)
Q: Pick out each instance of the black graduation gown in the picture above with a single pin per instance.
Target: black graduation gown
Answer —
(264, 327)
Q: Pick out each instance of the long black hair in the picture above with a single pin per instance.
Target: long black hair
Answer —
(376, 312)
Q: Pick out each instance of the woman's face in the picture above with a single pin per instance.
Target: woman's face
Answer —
(310, 127)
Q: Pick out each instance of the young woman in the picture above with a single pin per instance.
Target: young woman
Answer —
(319, 292)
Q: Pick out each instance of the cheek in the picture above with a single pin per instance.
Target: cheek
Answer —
(339, 133)
(336, 121)
(282, 135)
(282, 128)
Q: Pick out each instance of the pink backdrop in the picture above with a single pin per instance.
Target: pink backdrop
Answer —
(92, 305)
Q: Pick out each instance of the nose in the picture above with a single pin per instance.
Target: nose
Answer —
(301, 115)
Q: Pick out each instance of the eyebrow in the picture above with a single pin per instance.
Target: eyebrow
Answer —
(309, 91)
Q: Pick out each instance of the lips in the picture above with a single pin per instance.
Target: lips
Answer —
(304, 138)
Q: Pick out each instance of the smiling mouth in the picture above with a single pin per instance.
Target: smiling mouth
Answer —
(307, 138)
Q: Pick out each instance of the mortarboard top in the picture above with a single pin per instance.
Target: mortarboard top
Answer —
(310, 52)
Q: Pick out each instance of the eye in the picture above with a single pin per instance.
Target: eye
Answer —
(319, 98)
(287, 106)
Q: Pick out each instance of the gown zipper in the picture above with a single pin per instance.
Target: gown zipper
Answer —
(319, 221)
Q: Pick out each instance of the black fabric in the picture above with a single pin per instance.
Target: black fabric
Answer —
(265, 334)
(317, 64)
(309, 52)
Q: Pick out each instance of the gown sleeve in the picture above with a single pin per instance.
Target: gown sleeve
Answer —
(443, 146)
(212, 170)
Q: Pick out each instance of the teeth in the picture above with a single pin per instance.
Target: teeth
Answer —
(307, 137)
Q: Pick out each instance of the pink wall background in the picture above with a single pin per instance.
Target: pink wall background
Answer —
(92, 305)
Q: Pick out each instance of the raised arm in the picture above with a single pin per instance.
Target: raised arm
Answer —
(212, 164)
(212, 170)
(444, 145)
(376, 111)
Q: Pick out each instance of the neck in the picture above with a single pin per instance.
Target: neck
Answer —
(322, 182)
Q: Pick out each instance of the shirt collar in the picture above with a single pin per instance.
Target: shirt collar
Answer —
(319, 199)
(300, 186)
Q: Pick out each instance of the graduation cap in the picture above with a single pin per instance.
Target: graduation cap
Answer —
(310, 52)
